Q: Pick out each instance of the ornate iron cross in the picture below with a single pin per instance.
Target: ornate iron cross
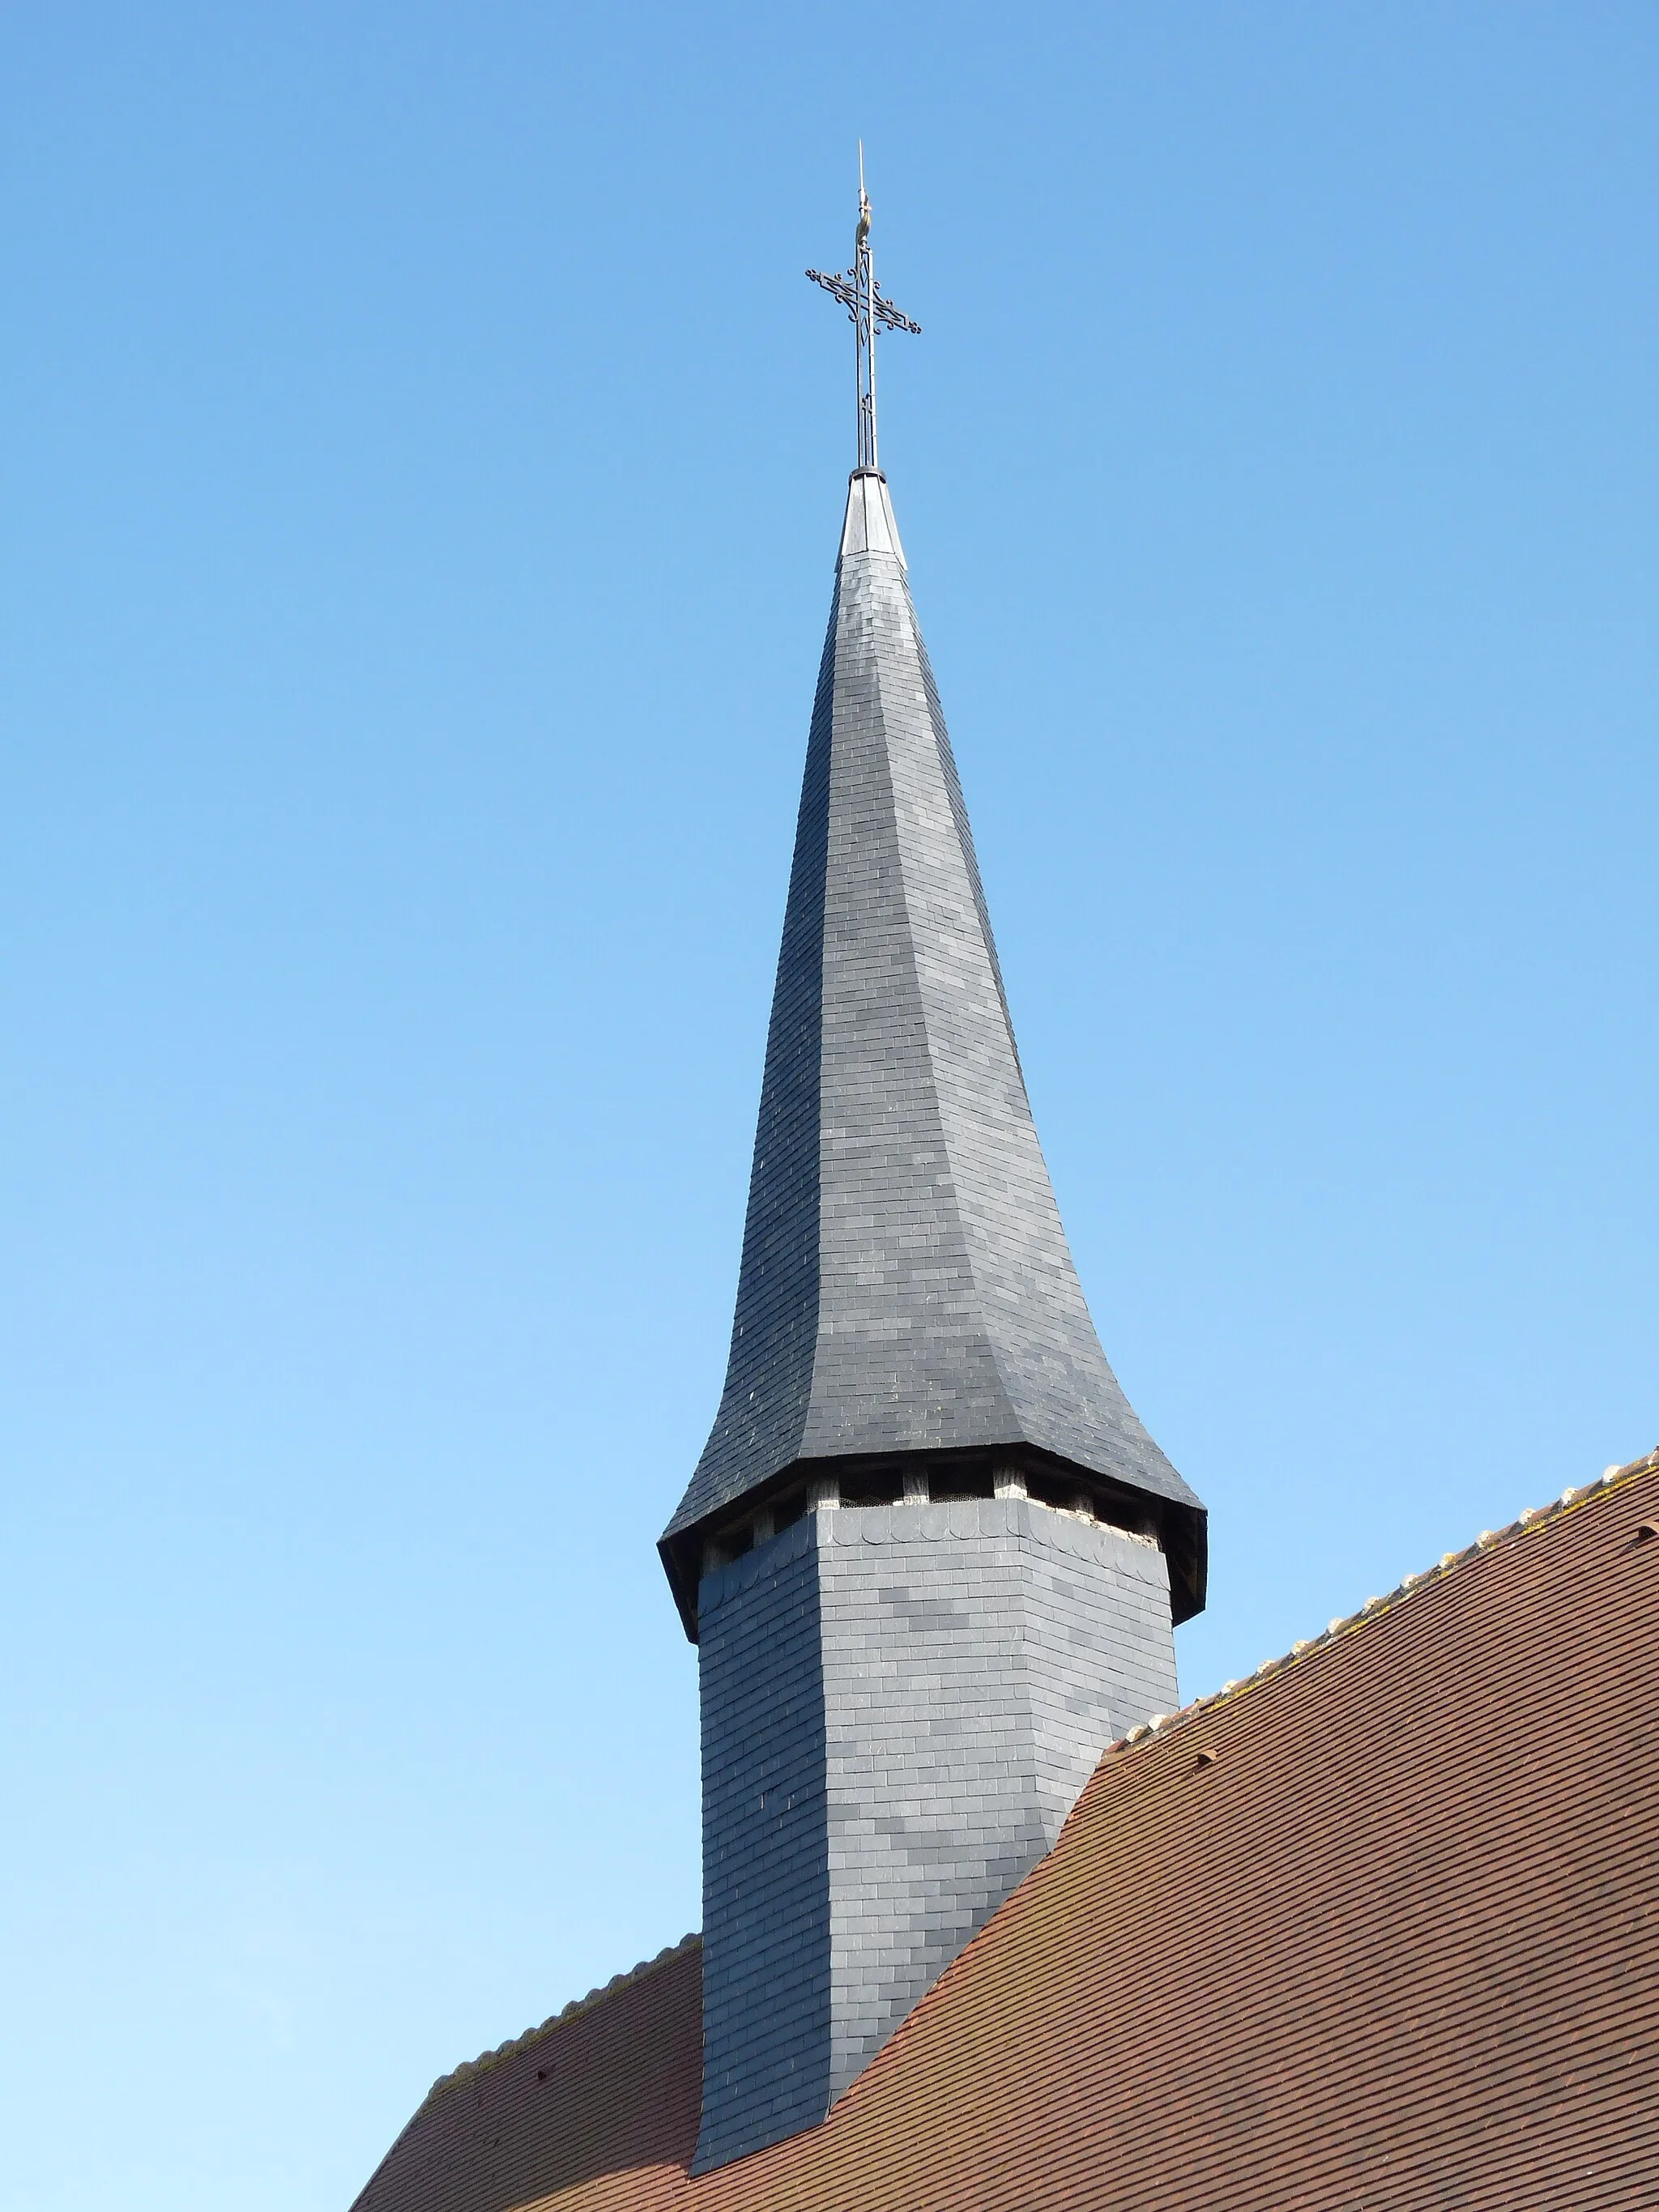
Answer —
(859, 294)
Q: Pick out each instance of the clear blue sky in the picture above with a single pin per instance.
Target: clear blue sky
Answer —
(422, 465)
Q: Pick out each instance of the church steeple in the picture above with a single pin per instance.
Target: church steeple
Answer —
(907, 1302)
(931, 1558)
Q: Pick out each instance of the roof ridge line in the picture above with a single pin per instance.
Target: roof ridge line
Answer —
(573, 2010)
(1531, 1517)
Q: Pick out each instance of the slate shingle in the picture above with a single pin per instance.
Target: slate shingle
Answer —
(905, 1286)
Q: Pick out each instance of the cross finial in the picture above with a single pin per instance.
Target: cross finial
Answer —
(859, 294)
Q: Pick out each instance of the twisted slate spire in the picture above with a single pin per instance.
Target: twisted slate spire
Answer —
(906, 1287)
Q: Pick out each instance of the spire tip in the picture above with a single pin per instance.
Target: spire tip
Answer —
(859, 294)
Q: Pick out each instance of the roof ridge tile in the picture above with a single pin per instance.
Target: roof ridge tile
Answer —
(573, 2010)
(1530, 1518)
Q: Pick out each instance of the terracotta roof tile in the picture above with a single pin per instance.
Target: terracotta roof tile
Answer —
(1372, 1929)
(577, 2005)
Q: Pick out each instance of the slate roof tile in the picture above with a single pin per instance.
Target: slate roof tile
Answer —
(905, 1284)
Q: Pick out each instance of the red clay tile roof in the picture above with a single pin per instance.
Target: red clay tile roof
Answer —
(1376, 1929)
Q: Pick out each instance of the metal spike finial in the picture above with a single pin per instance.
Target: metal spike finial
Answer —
(859, 294)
